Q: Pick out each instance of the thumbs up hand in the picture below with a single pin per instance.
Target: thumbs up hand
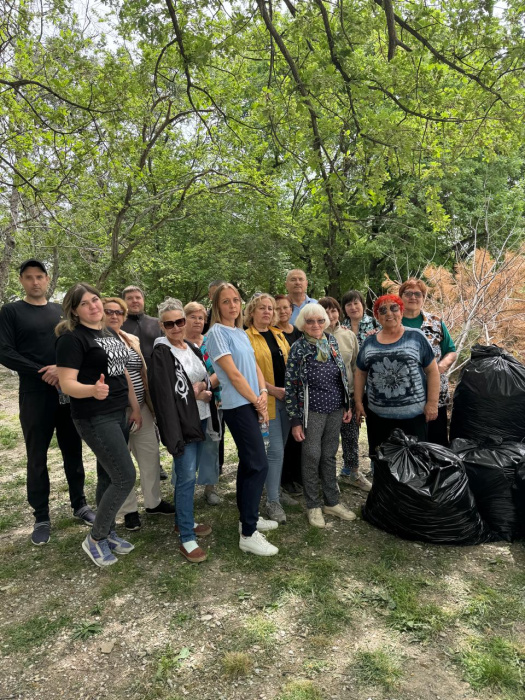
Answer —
(100, 389)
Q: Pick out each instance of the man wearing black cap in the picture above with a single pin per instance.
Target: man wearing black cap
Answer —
(27, 346)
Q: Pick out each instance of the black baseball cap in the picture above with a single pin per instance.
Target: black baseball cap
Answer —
(32, 262)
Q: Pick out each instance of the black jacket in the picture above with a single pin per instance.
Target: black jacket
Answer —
(147, 330)
(174, 401)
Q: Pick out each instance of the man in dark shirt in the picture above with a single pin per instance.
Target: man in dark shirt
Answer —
(27, 346)
(146, 328)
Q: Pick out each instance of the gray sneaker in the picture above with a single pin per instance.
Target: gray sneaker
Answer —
(275, 512)
(212, 498)
(41, 533)
(287, 500)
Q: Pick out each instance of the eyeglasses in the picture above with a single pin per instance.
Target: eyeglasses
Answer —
(180, 322)
(394, 308)
(311, 321)
(416, 295)
(114, 312)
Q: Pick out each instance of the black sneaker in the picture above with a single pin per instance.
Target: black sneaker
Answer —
(85, 514)
(163, 508)
(163, 475)
(41, 533)
(132, 521)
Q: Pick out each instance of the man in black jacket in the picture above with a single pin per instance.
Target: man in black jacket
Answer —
(27, 346)
(145, 327)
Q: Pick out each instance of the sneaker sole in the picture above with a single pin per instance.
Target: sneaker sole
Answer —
(246, 550)
(197, 560)
(99, 564)
(159, 513)
(39, 544)
(132, 529)
(337, 515)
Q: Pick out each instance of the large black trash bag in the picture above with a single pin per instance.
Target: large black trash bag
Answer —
(490, 397)
(496, 474)
(420, 492)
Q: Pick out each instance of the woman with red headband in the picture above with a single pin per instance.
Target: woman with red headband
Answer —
(398, 367)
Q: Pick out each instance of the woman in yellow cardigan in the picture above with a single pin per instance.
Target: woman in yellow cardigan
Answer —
(271, 352)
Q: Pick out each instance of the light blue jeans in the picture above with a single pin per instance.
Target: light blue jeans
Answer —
(209, 463)
(279, 428)
(183, 480)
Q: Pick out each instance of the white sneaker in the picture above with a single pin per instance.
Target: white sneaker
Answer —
(263, 525)
(257, 544)
(315, 517)
(340, 511)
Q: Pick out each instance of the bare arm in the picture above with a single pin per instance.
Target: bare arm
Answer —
(431, 406)
(359, 389)
(240, 384)
(70, 386)
(446, 361)
(135, 416)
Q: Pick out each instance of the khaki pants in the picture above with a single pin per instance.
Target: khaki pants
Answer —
(145, 448)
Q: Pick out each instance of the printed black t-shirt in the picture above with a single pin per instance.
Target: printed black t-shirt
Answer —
(95, 352)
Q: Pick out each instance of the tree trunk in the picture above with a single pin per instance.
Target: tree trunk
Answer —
(7, 242)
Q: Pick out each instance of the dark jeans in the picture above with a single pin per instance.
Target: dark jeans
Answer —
(107, 436)
(438, 429)
(379, 429)
(40, 414)
(253, 464)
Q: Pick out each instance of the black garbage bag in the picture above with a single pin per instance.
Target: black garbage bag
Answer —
(490, 397)
(496, 474)
(421, 492)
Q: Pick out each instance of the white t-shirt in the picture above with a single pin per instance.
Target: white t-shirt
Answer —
(196, 372)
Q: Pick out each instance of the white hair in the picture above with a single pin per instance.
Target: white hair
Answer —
(170, 304)
(309, 311)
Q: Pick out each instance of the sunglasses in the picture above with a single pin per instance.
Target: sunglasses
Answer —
(114, 312)
(180, 322)
(394, 308)
(311, 321)
(416, 295)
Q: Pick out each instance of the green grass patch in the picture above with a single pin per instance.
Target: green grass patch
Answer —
(495, 663)
(32, 632)
(313, 576)
(300, 690)
(236, 664)
(260, 630)
(85, 630)
(182, 582)
(9, 437)
(488, 607)
(169, 661)
(379, 667)
(9, 520)
(325, 614)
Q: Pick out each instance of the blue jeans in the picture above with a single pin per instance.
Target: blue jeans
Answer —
(279, 427)
(209, 463)
(183, 480)
(107, 436)
(253, 463)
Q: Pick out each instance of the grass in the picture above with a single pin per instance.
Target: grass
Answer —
(85, 630)
(169, 661)
(179, 583)
(494, 663)
(33, 632)
(260, 630)
(300, 690)
(379, 667)
(9, 437)
(491, 608)
(236, 664)
(9, 520)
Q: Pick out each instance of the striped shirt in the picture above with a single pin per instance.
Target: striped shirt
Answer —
(134, 367)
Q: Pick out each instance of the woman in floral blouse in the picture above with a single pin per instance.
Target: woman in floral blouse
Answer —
(355, 318)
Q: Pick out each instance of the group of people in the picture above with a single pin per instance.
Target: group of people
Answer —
(289, 375)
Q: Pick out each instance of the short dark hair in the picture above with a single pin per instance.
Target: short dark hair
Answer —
(216, 283)
(33, 262)
(330, 303)
(352, 295)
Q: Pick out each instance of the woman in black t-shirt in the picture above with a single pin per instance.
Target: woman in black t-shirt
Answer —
(91, 363)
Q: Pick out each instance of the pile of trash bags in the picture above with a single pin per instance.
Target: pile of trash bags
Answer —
(473, 492)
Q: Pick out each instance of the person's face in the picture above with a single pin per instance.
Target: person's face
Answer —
(229, 305)
(296, 282)
(211, 292)
(389, 315)
(284, 310)
(135, 302)
(90, 311)
(176, 334)
(413, 299)
(35, 282)
(315, 326)
(354, 310)
(263, 314)
(115, 316)
(195, 323)
(333, 315)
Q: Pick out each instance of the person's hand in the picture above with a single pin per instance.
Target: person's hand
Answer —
(441, 369)
(100, 389)
(136, 417)
(279, 393)
(262, 402)
(430, 411)
(204, 396)
(347, 416)
(359, 413)
(298, 433)
(372, 331)
(49, 374)
(198, 388)
(263, 416)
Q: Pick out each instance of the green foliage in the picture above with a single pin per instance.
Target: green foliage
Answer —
(495, 663)
(378, 667)
(85, 630)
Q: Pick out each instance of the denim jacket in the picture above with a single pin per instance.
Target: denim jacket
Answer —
(296, 378)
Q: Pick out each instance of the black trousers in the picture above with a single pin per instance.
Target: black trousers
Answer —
(253, 464)
(40, 414)
(292, 461)
(379, 429)
(438, 429)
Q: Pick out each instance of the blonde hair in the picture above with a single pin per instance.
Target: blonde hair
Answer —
(215, 311)
(194, 306)
(253, 304)
(116, 300)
